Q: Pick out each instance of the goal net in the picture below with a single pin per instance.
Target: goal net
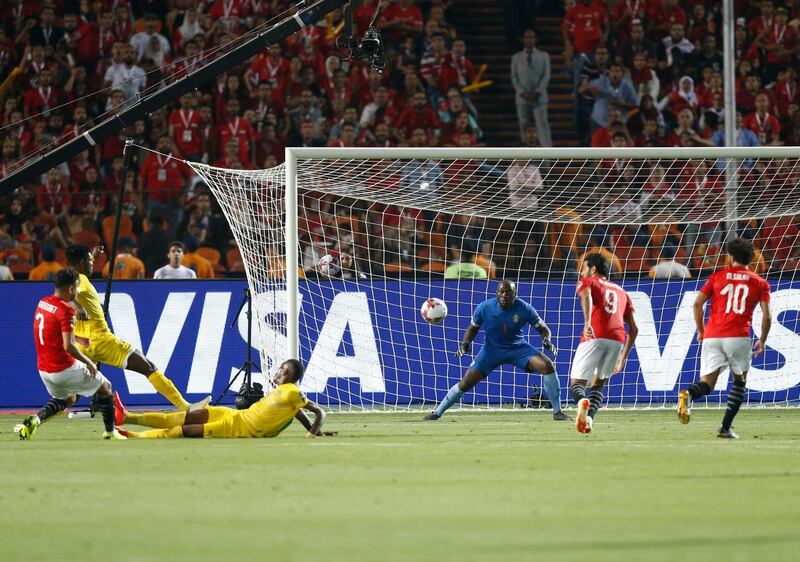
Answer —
(342, 247)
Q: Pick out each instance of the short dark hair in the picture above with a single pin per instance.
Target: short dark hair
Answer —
(599, 262)
(65, 278)
(177, 244)
(76, 254)
(742, 250)
(297, 369)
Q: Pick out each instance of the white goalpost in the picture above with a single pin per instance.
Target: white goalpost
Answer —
(342, 246)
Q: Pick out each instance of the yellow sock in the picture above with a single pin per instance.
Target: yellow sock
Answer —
(172, 432)
(156, 419)
(166, 389)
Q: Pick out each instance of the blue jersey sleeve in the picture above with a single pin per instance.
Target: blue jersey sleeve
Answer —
(533, 316)
(477, 316)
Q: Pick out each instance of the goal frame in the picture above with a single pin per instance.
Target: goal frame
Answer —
(295, 154)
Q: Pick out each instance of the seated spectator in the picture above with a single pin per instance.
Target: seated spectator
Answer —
(602, 135)
(675, 49)
(457, 69)
(647, 112)
(682, 98)
(194, 261)
(662, 16)
(709, 56)
(785, 92)
(127, 265)
(418, 116)
(141, 41)
(650, 135)
(746, 97)
(43, 97)
(637, 43)
(48, 267)
(643, 77)
(163, 180)
(432, 62)
(174, 269)
(766, 126)
(465, 267)
(701, 25)
(685, 124)
(400, 20)
(53, 197)
(779, 41)
(667, 267)
(744, 136)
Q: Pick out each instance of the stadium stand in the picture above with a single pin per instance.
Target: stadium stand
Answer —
(69, 65)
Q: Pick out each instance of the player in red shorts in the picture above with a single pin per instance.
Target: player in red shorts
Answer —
(604, 346)
(734, 292)
(66, 372)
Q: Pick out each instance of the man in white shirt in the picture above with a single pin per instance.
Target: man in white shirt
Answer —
(142, 39)
(667, 267)
(174, 269)
(125, 76)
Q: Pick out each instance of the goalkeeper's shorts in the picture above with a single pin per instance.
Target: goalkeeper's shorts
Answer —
(518, 355)
(108, 350)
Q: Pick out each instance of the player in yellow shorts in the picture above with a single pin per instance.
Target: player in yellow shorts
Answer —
(96, 340)
(266, 418)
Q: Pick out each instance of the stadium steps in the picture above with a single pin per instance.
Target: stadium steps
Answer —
(482, 25)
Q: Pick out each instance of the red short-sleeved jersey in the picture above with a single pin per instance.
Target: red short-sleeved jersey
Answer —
(585, 25)
(610, 304)
(186, 124)
(734, 293)
(53, 316)
(766, 128)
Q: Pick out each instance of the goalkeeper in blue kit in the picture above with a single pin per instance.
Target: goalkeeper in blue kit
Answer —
(505, 318)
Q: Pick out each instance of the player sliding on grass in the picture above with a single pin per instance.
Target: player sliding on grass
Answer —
(266, 418)
(65, 371)
(96, 340)
(505, 318)
(734, 293)
(604, 346)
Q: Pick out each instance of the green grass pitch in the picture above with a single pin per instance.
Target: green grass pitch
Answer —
(473, 486)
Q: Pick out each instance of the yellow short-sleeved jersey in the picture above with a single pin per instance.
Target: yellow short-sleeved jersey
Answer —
(96, 326)
(270, 415)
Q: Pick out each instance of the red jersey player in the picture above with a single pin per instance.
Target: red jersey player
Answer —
(605, 345)
(734, 293)
(65, 371)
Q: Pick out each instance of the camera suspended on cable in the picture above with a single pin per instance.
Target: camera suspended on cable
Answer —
(369, 49)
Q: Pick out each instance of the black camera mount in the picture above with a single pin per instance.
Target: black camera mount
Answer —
(249, 392)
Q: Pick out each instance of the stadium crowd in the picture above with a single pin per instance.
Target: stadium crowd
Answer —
(646, 73)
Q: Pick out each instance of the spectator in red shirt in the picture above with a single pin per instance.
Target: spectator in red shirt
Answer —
(623, 15)
(230, 13)
(43, 97)
(779, 41)
(662, 16)
(457, 69)
(765, 125)
(164, 180)
(764, 21)
(53, 198)
(234, 127)
(785, 92)
(273, 68)
(184, 128)
(400, 20)
(231, 158)
(585, 29)
(432, 61)
(419, 116)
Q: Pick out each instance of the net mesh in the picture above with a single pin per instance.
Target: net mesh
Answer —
(378, 237)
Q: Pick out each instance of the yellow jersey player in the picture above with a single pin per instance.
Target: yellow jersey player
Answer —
(266, 418)
(99, 344)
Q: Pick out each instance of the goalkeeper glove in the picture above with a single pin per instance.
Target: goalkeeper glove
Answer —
(548, 345)
(464, 348)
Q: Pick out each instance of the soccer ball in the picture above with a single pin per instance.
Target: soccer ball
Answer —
(328, 265)
(433, 310)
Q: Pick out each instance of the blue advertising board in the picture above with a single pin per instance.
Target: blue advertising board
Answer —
(364, 343)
